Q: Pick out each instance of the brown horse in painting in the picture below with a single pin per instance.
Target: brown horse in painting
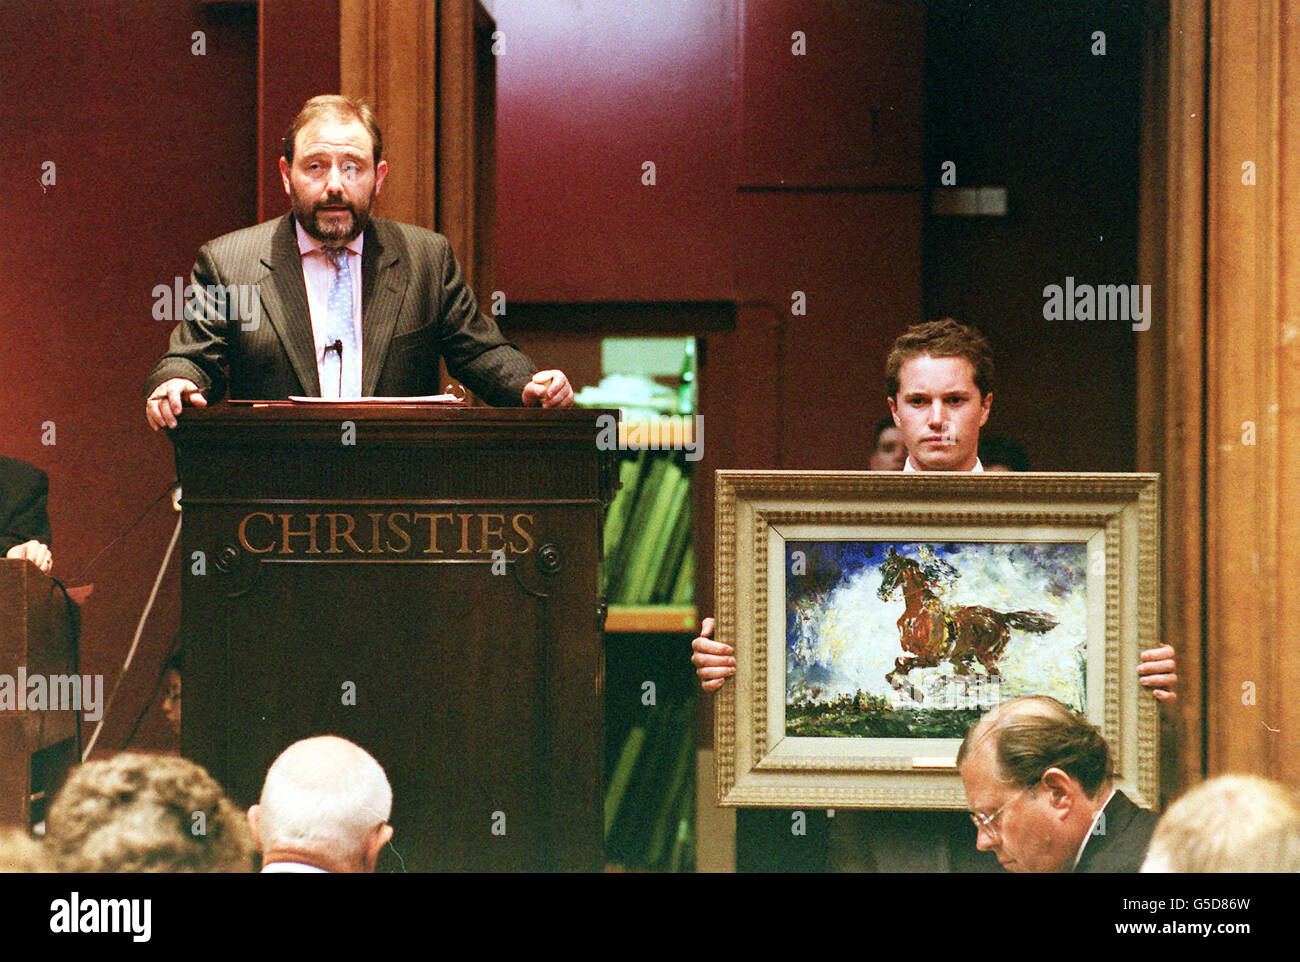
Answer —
(933, 632)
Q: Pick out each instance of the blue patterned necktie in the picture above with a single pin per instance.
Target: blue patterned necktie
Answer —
(340, 370)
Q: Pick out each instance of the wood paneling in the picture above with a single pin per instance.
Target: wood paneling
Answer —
(815, 405)
(388, 56)
(466, 136)
(1252, 527)
(1170, 380)
(1233, 573)
(426, 68)
(1240, 531)
(588, 93)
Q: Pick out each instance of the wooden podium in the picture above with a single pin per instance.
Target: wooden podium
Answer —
(423, 581)
(38, 743)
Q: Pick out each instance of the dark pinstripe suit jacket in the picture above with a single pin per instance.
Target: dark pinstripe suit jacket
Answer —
(415, 307)
(24, 491)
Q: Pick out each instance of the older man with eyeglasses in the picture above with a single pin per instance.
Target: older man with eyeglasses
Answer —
(1038, 781)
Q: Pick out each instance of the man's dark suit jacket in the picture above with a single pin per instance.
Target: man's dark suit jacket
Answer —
(1122, 846)
(415, 307)
(24, 491)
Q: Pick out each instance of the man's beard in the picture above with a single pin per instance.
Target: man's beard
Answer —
(340, 231)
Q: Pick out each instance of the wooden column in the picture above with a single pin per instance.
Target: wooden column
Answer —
(467, 136)
(388, 56)
(1170, 427)
(1252, 526)
(1242, 370)
(427, 68)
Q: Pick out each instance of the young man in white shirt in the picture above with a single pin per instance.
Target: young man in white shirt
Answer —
(940, 381)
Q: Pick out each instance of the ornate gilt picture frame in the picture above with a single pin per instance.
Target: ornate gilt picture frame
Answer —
(876, 615)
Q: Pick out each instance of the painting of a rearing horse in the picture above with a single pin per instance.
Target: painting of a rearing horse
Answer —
(931, 632)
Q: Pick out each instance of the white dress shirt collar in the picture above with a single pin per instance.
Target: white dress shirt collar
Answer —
(909, 466)
(1092, 828)
(292, 868)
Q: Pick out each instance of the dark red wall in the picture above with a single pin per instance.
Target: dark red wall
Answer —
(298, 49)
(586, 94)
(155, 153)
(797, 173)
(829, 93)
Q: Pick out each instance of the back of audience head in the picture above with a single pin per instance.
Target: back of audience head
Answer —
(325, 803)
(146, 813)
(19, 852)
(1233, 823)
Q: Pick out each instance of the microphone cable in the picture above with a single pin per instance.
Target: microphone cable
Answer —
(144, 615)
(81, 578)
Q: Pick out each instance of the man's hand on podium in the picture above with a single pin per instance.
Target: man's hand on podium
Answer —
(167, 399)
(550, 389)
(35, 552)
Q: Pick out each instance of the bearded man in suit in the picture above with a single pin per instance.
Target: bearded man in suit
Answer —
(327, 300)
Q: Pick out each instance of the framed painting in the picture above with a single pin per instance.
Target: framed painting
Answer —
(876, 616)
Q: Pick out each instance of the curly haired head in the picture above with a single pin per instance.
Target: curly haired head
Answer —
(943, 338)
(146, 813)
(19, 852)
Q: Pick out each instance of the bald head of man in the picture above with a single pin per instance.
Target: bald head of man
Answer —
(325, 806)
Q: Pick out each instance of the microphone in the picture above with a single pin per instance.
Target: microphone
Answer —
(337, 347)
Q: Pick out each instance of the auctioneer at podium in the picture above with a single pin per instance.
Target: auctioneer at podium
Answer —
(422, 581)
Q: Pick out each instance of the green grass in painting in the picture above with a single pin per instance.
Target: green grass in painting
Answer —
(870, 716)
